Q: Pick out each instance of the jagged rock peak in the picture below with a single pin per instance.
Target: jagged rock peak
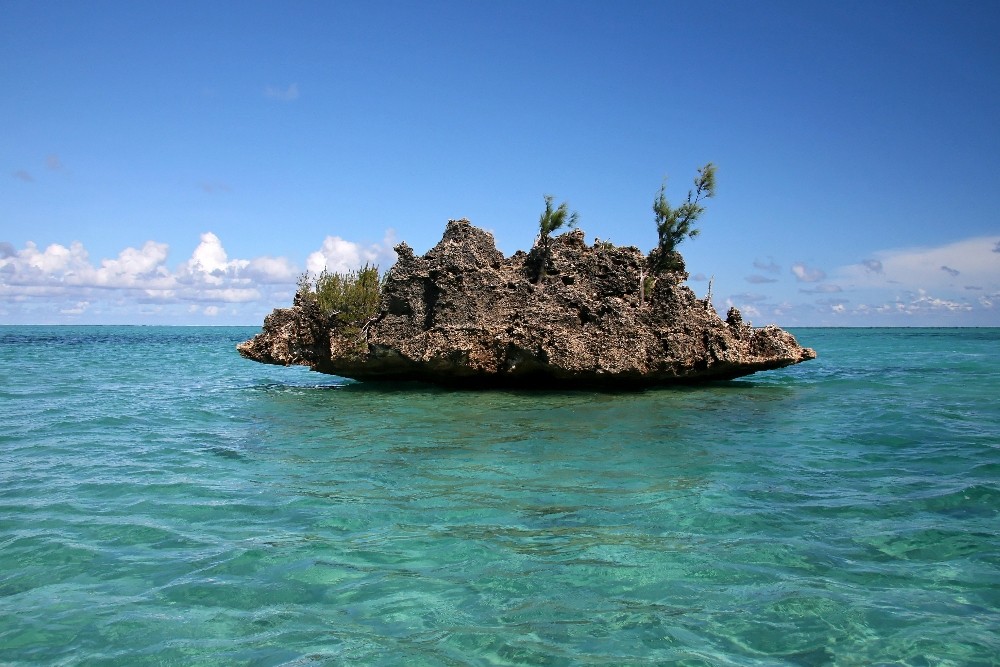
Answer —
(465, 246)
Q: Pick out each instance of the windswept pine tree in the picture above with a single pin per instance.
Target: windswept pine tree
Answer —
(552, 219)
(673, 225)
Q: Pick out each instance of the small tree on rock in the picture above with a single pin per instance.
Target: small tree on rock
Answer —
(673, 225)
(551, 220)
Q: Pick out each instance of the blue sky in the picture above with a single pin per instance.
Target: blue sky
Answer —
(182, 163)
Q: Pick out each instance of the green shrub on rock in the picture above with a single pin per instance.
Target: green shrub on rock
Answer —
(352, 297)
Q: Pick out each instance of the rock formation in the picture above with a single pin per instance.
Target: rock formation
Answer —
(563, 315)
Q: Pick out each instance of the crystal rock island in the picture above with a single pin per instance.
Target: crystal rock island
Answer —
(564, 315)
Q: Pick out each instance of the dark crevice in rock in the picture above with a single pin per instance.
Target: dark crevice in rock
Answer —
(431, 295)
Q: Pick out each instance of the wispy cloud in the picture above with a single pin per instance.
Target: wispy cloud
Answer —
(923, 301)
(823, 288)
(950, 271)
(213, 187)
(927, 268)
(77, 309)
(805, 274)
(768, 266)
(905, 286)
(872, 265)
(923, 307)
(918, 285)
(748, 297)
(288, 94)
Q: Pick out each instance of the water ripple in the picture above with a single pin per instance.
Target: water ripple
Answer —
(165, 502)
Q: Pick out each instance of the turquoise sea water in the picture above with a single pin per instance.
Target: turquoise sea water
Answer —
(165, 502)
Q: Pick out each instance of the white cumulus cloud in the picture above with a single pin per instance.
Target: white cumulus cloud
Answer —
(134, 267)
(65, 277)
(270, 270)
(62, 281)
(338, 255)
(209, 263)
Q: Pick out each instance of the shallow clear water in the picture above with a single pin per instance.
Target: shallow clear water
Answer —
(165, 502)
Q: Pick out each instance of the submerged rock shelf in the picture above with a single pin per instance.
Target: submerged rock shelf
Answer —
(564, 315)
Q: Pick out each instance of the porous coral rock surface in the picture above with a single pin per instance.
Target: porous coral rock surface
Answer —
(564, 315)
